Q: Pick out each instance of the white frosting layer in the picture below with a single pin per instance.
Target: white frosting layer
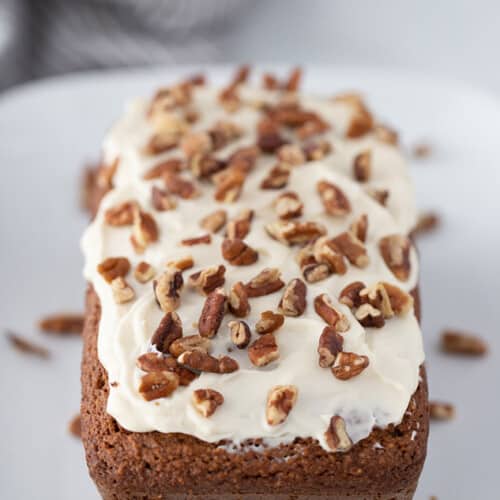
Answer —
(377, 397)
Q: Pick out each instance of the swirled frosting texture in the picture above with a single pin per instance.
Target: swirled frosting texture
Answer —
(377, 397)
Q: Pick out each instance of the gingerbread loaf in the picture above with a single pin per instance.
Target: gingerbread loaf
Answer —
(252, 314)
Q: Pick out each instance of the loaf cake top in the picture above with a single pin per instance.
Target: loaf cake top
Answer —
(253, 267)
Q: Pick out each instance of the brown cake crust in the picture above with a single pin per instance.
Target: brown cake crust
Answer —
(153, 465)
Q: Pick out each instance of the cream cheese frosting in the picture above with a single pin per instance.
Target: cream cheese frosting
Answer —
(377, 397)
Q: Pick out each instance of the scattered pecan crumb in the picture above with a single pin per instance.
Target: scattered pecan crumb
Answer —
(240, 333)
(229, 186)
(291, 154)
(288, 206)
(266, 282)
(239, 227)
(353, 249)
(167, 288)
(206, 401)
(202, 362)
(276, 178)
(179, 186)
(359, 227)
(238, 253)
(441, 411)
(238, 300)
(362, 166)
(348, 365)
(155, 385)
(214, 221)
(26, 346)
(379, 195)
(280, 402)
(75, 426)
(295, 232)
(172, 165)
(386, 134)
(144, 272)
(190, 343)
(62, 323)
(161, 200)
(264, 350)
(144, 230)
(422, 150)
(369, 316)
(212, 313)
(294, 302)
(325, 309)
(351, 294)
(395, 250)
(336, 435)
(121, 214)
(330, 344)
(114, 267)
(208, 279)
(182, 264)
(269, 322)
(458, 342)
(317, 149)
(169, 329)
(333, 198)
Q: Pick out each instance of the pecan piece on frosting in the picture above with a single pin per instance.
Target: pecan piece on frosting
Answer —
(369, 316)
(169, 329)
(238, 253)
(238, 300)
(293, 303)
(159, 143)
(389, 299)
(206, 401)
(379, 195)
(386, 134)
(208, 279)
(351, 295)
(172, 165)
(269, 322)
(266, 282)
(280, 402)
(114, 267)
(327, 252)
(264, 350)
(240, 333)
(190, 343)
(121, 214)
(144, 230)
(333, 198)
(122, 291)
(336, 436)
(288, 205)
(212, 313)
(229, 186)
(206, 166)
(276, 178)
(155, 385)
(156, 362)
(317, 149)
(348, 365)
(457, 342)
(325, 309)
(202, 362)
(239, 227)
(269, 137)
(362, 166)
(352, 248)
(291, 154)
(182, 264)
(330, 344)
(359, 227)
(181, 187)
(395, 250)
(295, 232)
(361, 122)
(144, 272)
(204, 239)
(196, 143)
(214, 221)
(167, 289)
(161, 200)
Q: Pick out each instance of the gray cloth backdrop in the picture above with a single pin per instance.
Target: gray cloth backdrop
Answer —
(47, 37)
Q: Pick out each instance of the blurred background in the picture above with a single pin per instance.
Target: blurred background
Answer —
(455, 38)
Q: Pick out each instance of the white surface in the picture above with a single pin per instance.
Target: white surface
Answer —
(47, 130)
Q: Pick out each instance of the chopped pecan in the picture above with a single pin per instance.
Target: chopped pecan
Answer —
(144, 230)
(359, 227)
(324, 308)
(179, 186)
(114, 267)
(330, 344)
(353, 249)
(292, 83)
(167, 288)
(362, 166)
(266, 282)
(311, 128)
(160, 143)
(25, 346)
(182, 264)
(277, 177)
(269, 322)
(280, 401)
(212, 313)
(238, 300)
(229, 187)
(169, 329)
(202, 362)
(170, 166)
(333, 198)
(379, 195)
(239, 227)
(317, 150)
(205, 239)
(395, 250)
(315, 271)
(206, 401)
(105, 174)
(336, 436)
(161, 200)
(156, 362)
(143, 272)
(214, 221)
(457, 342)
(441, 411)
(155, 385)
(389, 299)
(295, 232)
(361, 122)
(269, 137)
(238, 253)
(348, 365)
(264, 350)
(325, 251)
(62, 323)
(288, 205)
(190, 343)
(196, 143)
(369, 316)
(293, 302)
(351, 294)
(206, 166)
(426, 223)
(223, 132)
(270, 82)
(291, 154)
(386, 134)
(121, 214)
(244, 158)
(240, 333)
(208, 279)
(122, 291)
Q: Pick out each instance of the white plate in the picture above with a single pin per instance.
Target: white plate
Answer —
(49, 129)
